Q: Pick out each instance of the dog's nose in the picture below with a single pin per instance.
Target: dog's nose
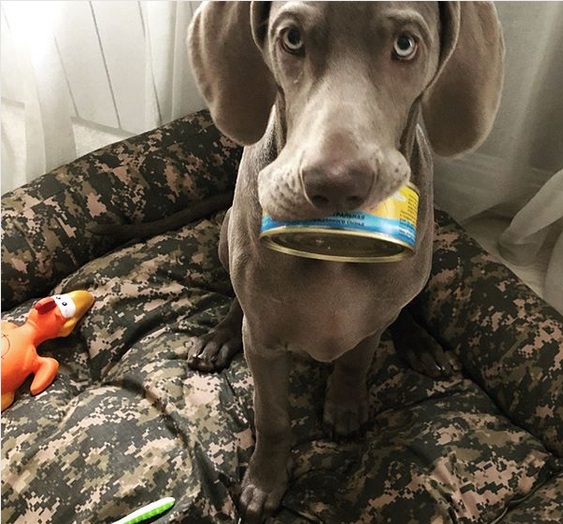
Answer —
(337, 186)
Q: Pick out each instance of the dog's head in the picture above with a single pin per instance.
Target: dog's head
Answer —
(348, 80)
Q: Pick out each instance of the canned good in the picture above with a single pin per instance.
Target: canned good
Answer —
(384, 234)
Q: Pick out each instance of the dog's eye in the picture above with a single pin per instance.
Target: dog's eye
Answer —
(405, 47)
(292, 41)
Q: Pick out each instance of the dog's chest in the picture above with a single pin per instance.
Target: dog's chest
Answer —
(322, 309)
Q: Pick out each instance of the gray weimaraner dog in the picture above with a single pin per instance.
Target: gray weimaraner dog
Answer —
(328, 97)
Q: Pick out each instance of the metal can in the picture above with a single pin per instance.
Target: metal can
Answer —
(384, 234)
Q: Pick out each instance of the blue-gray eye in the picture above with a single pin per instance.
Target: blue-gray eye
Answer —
(292, 41)
(405, 47)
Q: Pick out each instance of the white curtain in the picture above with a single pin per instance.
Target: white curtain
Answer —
(517, 174)
(76, 75)
(76, 72)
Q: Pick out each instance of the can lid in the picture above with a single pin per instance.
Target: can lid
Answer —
(337, 246)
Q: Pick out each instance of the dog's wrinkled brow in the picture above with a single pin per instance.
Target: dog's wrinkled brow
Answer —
(403, 18)
(309, 16)
(306, 12)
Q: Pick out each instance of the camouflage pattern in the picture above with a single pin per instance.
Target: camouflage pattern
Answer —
(45, 224)
(126, 422)
(508, 340)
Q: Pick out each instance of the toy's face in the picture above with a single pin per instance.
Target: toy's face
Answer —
(57, 315)
(72, 307)
(48, 317)
(66, 305)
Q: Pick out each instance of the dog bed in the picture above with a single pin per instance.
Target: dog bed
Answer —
(126, 422)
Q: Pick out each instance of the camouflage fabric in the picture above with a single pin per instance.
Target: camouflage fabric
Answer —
(45, 233)
(126, 422)
(509, 341)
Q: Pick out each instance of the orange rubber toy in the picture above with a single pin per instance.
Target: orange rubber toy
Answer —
(51, 317)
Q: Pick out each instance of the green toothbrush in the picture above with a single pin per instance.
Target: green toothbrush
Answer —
(146, 512)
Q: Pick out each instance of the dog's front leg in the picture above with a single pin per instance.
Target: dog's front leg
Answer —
(346, 400)
(267, 476)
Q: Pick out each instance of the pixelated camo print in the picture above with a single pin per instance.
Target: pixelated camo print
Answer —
(45, 232)
(126, 422)
(509, 341)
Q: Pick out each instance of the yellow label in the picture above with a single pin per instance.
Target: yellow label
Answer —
(403, 205)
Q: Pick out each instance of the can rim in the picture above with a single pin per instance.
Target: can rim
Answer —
(269, 240)
(304, 230)
(268, 237)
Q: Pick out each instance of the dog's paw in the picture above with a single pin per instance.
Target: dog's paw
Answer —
(418, 348)
(257, 504)
(214, 351)
(344, 416)
(423, 354)
(263, 489)
(433, 364)
(266, 479)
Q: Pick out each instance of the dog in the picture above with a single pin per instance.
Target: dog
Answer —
(328, 99)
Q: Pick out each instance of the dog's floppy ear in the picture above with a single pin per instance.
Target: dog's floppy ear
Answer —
(224, 40)
(461, 103)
